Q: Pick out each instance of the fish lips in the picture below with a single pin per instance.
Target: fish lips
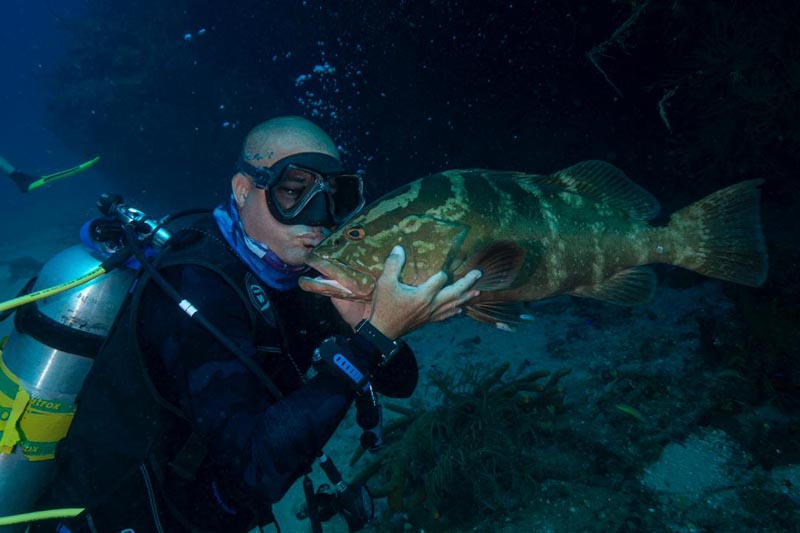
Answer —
(338, 280)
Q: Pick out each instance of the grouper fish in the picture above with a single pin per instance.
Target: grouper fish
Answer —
(582, 231)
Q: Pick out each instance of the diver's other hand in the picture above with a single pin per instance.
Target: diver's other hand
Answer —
(398, 308)
(352, 311)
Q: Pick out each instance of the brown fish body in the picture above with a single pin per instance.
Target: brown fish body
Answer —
(580, 231)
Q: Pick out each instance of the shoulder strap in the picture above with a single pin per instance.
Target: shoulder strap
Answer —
(189, 247)
(202, 244)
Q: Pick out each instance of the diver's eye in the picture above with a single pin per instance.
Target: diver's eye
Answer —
(356, 233)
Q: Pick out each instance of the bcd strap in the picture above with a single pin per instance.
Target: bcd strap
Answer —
(34, 424)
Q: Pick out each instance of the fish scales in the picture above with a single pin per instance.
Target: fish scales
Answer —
(556, 224)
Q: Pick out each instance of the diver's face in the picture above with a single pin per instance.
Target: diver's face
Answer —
(291, 243)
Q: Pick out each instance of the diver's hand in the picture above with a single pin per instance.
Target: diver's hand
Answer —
(398, 308)
(352, 311)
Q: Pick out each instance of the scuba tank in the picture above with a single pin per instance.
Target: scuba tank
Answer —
(51, 348)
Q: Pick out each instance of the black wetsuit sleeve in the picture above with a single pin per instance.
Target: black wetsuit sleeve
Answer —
(260, 445)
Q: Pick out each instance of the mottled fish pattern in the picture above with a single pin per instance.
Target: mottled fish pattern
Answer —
(580, 231)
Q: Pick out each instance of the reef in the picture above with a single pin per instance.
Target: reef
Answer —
(472, 455)
(660, 426)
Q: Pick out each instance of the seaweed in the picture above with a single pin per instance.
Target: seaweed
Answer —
(473, 454)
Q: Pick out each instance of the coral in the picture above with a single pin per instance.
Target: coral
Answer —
(473, 454)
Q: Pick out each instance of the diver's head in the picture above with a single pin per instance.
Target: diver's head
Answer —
(290, 187)
(281, 137)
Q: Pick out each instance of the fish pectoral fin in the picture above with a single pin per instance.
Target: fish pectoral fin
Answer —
(500, 314)
(634, 286)
(499, 264)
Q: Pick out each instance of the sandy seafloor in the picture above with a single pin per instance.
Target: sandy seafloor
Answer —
(684, 469)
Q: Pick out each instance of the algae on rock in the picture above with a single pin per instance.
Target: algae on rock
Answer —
(473, 454)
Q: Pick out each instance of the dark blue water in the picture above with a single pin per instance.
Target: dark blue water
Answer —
(32, 46)
(685, 97)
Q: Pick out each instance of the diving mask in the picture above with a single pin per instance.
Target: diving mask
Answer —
(308, 188)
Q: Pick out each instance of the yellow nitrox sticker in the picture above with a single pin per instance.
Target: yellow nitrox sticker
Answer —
(34, 424)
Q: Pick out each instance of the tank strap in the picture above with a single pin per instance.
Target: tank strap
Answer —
(200, 244)
(32, 322)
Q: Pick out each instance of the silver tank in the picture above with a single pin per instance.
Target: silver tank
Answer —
(50, 374)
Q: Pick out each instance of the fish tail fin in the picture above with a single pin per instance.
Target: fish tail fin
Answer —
(720, 236)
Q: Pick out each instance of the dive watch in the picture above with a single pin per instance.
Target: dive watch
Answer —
(387, 347)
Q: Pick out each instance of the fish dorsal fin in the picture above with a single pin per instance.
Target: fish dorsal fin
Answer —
(500, 314)
(605, 184)
(634, 286)
(499, 264)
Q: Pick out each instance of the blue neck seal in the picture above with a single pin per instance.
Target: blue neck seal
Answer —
(256, 255)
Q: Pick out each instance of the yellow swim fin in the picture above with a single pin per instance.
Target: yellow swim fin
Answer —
(50, 178)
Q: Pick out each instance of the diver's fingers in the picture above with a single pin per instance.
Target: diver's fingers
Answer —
(433, 285)
(394, 263)
(469, 279)
(452, 306)
(445, 313)
(460, 288)
(466, 297)
(456, 290)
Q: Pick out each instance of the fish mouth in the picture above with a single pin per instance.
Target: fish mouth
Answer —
(337, 280)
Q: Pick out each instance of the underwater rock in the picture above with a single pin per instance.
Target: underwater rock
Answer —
(705, 462)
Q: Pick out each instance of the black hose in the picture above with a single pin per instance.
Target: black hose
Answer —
(195, 314)
(184, 213)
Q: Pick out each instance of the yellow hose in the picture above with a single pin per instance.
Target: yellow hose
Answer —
(69, 512)
(52, 291)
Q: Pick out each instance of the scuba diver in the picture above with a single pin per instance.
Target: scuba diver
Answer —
(183, 427)
(26, 182)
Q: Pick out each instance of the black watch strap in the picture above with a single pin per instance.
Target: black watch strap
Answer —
(387, 347)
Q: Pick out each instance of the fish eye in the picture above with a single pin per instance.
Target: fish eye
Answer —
(356, 233)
